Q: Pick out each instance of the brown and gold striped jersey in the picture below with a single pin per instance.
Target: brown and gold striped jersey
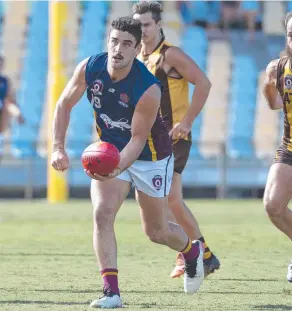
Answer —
(175, 90)
(284, 87)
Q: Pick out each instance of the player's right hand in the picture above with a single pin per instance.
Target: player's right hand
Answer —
(59, 160)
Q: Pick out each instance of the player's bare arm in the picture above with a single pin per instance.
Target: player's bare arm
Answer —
(143, 119)
(187, 68)
(270, 91)
(68, 99)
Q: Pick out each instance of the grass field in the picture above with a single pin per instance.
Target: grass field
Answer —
(47, 260)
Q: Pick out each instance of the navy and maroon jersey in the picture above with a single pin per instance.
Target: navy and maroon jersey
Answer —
(3, 95)
(114, 104)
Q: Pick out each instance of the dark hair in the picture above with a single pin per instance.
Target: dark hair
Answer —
(287, 18)
(130, 25)
(148, 6)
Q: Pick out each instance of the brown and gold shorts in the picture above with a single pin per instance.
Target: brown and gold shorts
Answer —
(283, 155)
(181, 150)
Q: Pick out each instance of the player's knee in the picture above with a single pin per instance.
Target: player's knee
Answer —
(156, 235)
(272, 206)
(103, 217)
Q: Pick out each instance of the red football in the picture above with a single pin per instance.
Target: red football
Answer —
(100, 158)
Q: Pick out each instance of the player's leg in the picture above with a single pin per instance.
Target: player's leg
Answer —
(182, 213)
(277, 195)
(153, 181)
(107, 198)
(187, 220)
(159, 230)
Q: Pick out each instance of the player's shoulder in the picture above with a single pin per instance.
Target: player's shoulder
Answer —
(173, 53)
(274, 63)
(166, 44)
(272, 67)
(97, 59)
(152, 93)
(94, 64)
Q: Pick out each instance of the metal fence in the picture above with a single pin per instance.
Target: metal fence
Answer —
(224, 175)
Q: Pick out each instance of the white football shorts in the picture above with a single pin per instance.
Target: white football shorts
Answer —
(153, 178)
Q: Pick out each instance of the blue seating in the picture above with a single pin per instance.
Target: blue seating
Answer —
(194, 36)
(239, 147)
(24, 141)
(243, 92)
(31, 93)
(214, 14)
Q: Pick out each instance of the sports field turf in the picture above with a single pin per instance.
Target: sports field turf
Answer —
(47, 260)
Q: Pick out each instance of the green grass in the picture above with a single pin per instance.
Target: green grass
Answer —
(47, 261)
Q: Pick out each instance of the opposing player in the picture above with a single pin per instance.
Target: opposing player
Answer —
(175, 69)
(126, 99)
(277, 91)
(8, 107)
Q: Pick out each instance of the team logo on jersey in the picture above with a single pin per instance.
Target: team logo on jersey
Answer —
(124, 97)
(96, 89)
(122, 124)
(124, 100)
(157, 182)
(288, 82)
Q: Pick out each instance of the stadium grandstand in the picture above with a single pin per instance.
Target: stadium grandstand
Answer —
(234, 138)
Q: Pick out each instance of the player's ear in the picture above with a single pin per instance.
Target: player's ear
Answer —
(138, 49)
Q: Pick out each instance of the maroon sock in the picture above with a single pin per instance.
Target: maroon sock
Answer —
(191, 250)
(110, 280)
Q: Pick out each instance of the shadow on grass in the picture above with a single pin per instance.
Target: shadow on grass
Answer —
(177, 292)
(157, 306)
(46, 254)
(141, 305)
(41, 302)
(250, 280)
(273, 307)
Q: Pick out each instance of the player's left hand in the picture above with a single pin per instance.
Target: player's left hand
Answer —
(180, 130)
(95, 176)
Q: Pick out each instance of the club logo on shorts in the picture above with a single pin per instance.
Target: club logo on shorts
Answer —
(288, 82)
(157, 182)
